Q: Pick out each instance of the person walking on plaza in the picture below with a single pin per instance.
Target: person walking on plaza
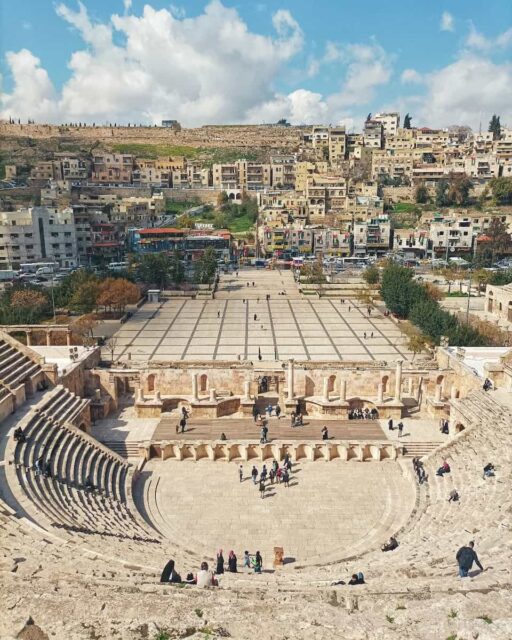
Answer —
(183, 424)
(390, 424)
(465, 558)
(241, 473)
(271, 476)
(255, 412)
(286, 478)
(254, 474)
(279, 475)
(247, 560)
(278, 411)
(400, 429)
(325, 434)
(263, 474)
(262, 488)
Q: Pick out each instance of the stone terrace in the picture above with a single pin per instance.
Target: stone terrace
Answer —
(240, 322)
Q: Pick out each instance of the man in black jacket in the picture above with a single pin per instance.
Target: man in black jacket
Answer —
(465, 557)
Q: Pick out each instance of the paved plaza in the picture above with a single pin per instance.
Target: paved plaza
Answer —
(328, 512)
(240, 324)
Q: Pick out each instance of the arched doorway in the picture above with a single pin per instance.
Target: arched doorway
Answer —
(203, 383)
(331, 383)
(384, 382)
(151, 382)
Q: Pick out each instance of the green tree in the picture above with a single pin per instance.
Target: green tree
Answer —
(500, 242)
(407, 121)
(185, 221)
(441, 193)
(222, 198)
(417, 343)
(206, 267)
(421, 194)
(371, 275)
(458, 189)
(84, 296)
(176, 268)
(398, 290)
(154, 269)
(501, 189)
(431, 319)
(313, 273)
(495, 127)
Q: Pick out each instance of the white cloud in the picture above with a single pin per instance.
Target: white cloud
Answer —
(411, 76)
(476, 40)
(210, 68)
(204, 69)
(468, 92)
(447, 22)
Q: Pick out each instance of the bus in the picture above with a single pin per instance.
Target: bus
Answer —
(34, 267)
(119, 266)
(357, 261)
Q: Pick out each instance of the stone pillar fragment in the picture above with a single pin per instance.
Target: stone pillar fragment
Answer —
(398, 381)
(325, 395)
(380, 393)
(343, 390)
(291, 391)
(195, 397)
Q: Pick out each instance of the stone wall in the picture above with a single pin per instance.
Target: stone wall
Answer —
(75, 376)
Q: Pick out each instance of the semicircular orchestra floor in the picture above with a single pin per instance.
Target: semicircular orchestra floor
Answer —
(329, 512)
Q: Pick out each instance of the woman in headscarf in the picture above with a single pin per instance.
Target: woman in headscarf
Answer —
(232, 562)
(169, 574)
(220, 563)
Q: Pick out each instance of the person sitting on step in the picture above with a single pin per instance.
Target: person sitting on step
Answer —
(489, 470)
(444, 468)
(391, 545)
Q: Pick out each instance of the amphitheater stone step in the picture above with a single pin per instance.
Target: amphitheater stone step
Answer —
(419, 449)
(125, 449)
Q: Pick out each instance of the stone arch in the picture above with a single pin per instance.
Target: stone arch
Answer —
(439, 380)
(203, 382)
(384, 381)
(231, 196)
(151, 382)
(331, 383)
(238, 196)
(309, 386)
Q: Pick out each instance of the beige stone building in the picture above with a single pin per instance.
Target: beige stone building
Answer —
(498, 302)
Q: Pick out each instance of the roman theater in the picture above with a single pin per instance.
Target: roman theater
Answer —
(104, 487)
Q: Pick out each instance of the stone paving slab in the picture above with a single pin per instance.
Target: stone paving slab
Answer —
(288, 324)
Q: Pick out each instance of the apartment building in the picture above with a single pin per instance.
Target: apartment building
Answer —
(390, 122)
(337, 144)
(46, 170)
(451, 235)
(412, 243)
(373, 236)
(37, 234)
(373, 134)
(113, 168)
(282, 171)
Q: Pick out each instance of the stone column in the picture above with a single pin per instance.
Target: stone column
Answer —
(140, 395)
(343, 390)
(325, 397)
(247, 389)
(213, 397)
(380, 393)
(398, 381)
(453, 392)
(291, 392)
(437, 397)
(29, 337)
(68, 337)
(158, 397)
(409, 387)
(195, 397)
(48, 338)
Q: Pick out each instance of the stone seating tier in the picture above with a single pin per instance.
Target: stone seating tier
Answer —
(72, 458)
(15, 366)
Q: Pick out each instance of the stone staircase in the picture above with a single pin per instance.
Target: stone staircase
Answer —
(420, 449)
(123, 448)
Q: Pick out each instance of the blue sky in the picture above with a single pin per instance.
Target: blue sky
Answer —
(334, 60)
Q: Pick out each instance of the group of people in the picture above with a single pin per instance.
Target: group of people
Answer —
(363, 414)
(276, 473)
(296, 419)
(205, 577)
(399, 426)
